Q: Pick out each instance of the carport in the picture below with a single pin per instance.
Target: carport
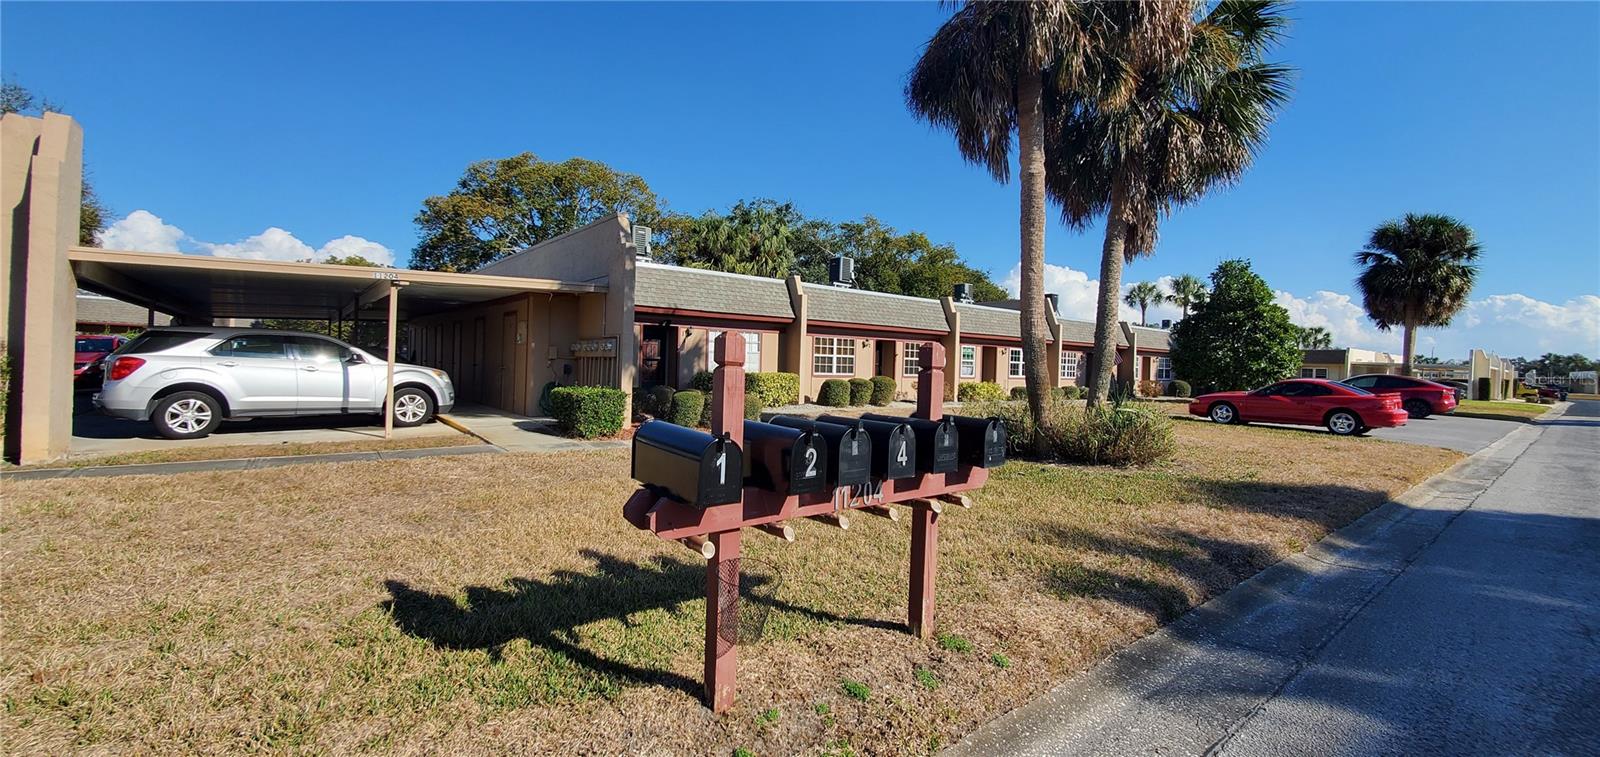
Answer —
(202, 290)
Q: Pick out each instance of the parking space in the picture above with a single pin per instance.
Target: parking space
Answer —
(1450, 432)
(95, 435)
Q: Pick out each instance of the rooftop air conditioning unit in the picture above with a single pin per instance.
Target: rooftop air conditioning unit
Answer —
(842, 271)
(641, 241)
(962, 293)
(1055, 302)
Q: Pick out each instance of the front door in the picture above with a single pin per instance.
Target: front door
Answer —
(653, 342)
(508, 360)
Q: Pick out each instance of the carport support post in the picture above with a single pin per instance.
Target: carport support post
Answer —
(924, 517)
(394, 312)
(722, 570)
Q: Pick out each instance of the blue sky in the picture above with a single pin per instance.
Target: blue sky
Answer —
(285, 129)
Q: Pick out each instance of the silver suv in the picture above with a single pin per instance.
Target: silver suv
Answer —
(187, 380)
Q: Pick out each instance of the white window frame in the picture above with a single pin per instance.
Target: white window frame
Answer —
(910, 358)
(752, 350)
(1320, 373)
(1163, 368)
(1069, 364)
(969, 361)
(1014, 362)
(833, 356)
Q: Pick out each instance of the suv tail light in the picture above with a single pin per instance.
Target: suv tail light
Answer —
(124, 366)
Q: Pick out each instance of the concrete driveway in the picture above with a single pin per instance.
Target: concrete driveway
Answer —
(1461, 618)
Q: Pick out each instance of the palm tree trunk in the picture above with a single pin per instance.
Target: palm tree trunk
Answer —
(1030, 157)
(1409, 349)
(1105, 316)
(1143, 317)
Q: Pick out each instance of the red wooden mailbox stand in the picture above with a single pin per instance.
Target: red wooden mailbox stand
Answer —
(714, 531)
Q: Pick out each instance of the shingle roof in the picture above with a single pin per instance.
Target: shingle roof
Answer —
(666, 286)
(829, 303)
(1153, 339)
(93, 308)
(990, 321)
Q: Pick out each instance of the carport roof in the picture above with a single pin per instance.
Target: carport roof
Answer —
(202, 286)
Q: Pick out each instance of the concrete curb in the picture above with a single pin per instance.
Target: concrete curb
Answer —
(1241, 646)
(245, 463)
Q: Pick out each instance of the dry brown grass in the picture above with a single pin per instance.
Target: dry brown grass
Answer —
(282, 449)
(496, 604)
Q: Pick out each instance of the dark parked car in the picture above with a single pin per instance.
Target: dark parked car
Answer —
(1420, 398)
(89, 358)
(1553, 392)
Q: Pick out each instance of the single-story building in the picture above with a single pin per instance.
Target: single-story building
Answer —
(1342, 363)
(99, 314)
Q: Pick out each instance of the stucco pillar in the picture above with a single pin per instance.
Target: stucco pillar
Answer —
(796, 354)
(952, 346)
(1128, 372)
(43, 189)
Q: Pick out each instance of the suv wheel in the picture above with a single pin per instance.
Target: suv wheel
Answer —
(187, 415)
(412, 407)
(1344, 423)
(1418, 408)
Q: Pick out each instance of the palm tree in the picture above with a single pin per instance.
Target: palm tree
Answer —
(1187, 292)
(985, 75)
(1419, 271)
(1142, 295)
(1149, 132)
(1313, 337)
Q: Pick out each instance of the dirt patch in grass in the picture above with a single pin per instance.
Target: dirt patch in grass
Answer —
(283, 449)
(495, 604)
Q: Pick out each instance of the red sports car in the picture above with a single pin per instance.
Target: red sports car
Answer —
(89, 356)
(1419, 398)
(1344, 410)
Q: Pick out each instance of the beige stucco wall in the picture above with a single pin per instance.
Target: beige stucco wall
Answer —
(41, 187)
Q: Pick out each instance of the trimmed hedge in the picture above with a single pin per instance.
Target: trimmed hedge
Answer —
(1149, 388)
(687, 406)
(773, 389)
(1070, 392)
(701, 382)
(653, 401)
(860, 391)
(883, 389)
(1019, 392)
(752, 408)
(980, 391)
(588, 412)
(1178, 388)
(834, 393)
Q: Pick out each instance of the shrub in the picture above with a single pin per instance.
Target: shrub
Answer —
(1149, 388)
(860, 391)
(1531, 398)
(686, 408)
(883, 390)
(653, 401)
(773, 389)
(1178, 388)
(1019, 392)
(1126, 435)
(834, 393)
(980, 391)
(588, 412)
(701, 382)
(752, 408)
(1071, 392)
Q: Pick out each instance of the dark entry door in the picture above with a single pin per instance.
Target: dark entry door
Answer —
(508, 360)
(653, 355)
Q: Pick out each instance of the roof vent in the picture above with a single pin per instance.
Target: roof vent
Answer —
(962, 293)
(641, 241)
(1166, 323)
(1055, 302)
(842, 271)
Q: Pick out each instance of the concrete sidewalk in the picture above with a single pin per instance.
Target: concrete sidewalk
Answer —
(1460, 618)
(516, 433)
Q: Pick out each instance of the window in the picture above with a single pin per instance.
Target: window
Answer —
(1363, 382)
(1395, 382)
(95, 344)
(1069, 365)
(969, 362)
(320, 350)
(833, 356)
(910, 358)
(251, 345)
(1164, 369)
(1320, 373)
(156, 341)
(752, 350)
(1016, 363)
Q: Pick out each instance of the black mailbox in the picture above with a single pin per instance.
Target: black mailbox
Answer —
(983, 441)
(938, 446)
(783, 459)
(894, 446)
(849, 448)
(687, 464)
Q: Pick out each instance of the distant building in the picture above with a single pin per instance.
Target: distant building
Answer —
(1342, 363)
(98, 314)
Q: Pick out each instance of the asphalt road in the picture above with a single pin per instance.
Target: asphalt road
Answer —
(1451, 432)
(1463, 619)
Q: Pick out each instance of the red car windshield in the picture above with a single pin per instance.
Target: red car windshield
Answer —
(95, 344)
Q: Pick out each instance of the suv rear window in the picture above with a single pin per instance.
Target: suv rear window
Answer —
(156, 341)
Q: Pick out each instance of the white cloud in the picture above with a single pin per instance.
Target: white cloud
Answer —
(1080, 294)
(1572, 326)
(141, 231)
(1342, 316)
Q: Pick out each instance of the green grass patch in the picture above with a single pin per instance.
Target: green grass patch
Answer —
(954, 643)
(1000, 661)
(926, 677)
(856, 690)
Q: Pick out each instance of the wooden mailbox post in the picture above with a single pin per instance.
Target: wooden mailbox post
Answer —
(714, 530)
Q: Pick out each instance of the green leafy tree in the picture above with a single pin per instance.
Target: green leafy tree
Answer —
(755, 238)
(902, 263)
(1313, 337)
(1554, 364)
(92, 212)
(1240, 338)
(1142, 131)
(501, 206)
(989, 73)
(1142, 295)
(1187, 292)
(1417, 272)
